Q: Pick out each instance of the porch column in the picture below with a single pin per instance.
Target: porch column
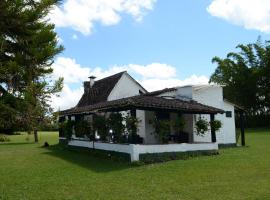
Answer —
(242, 122)
(213, 132)
(133, 112)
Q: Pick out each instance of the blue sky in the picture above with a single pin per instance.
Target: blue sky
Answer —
(179, 37)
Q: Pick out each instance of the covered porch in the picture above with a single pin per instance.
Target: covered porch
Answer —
(146, 109)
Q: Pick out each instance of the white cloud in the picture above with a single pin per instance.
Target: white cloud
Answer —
(74, 73)
(82, 14)
(70, 70)
(158, 84)
(154, 76)
(252, 14)
(68, 98)
(154, 70)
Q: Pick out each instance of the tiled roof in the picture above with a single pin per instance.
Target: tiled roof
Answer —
(144, 102)
(100, 91)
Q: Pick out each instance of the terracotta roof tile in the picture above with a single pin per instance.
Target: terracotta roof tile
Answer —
(144, 102)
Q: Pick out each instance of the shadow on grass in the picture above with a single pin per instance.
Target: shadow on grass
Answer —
(90, 159)
(16, 143)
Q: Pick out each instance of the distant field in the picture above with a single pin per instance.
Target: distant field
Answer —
(29, 172)
(51, 137)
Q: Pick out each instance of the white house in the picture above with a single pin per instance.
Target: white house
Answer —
(211, 95)
(122, 93)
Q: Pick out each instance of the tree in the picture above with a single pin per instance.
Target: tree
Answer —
(246, 77)
(28, 45)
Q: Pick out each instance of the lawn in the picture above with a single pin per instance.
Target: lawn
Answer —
(28, 171)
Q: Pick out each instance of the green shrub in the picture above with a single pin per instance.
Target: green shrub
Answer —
(4, 138)
(83, 128)
(101, 126)
(162, 130)
(179, 124)
(66, 128)
(137, 163)
(115, 123)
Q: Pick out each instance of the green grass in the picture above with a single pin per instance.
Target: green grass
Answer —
(28, 171)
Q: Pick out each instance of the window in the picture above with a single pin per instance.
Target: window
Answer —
(228, 114)
(141, 92)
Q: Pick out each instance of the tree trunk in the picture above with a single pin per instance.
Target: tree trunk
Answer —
(36, 135)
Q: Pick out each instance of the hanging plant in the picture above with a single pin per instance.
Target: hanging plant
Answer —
(216, 124)
(201, 127)
(101, 126)
(162, 130)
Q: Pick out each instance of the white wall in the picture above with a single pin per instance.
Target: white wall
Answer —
(125, 87)
(102, 146)
(140, 114)
(183, 147)
(189, 126)
(150, 137)
(184, 91)
(213, 96)
(135, 150)
(228, 128)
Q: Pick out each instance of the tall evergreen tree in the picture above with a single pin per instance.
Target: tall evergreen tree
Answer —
(28, 45)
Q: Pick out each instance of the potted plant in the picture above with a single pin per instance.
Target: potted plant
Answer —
(201, 127)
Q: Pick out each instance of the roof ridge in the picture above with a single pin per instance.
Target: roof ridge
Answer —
(107, 77)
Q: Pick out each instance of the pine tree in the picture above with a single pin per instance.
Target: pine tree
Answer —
(28, 45)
